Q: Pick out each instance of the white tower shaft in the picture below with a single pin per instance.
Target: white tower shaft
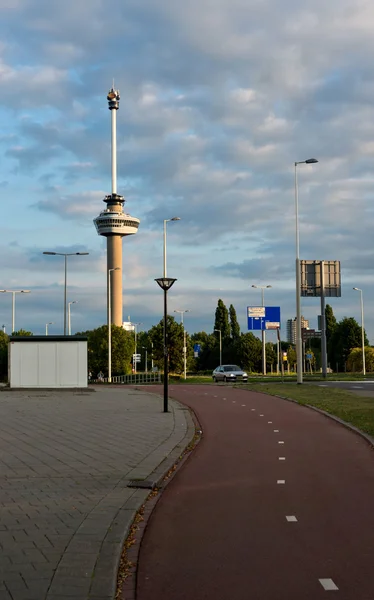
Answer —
(114, 151)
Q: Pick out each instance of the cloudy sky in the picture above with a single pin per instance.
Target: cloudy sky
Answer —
(219, 98)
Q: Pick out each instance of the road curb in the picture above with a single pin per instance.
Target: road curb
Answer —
(160, 478)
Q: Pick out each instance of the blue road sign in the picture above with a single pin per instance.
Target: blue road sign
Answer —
(309, 356)
(196, 350)
(263, 317)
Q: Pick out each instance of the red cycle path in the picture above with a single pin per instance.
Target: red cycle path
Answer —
(219, 531)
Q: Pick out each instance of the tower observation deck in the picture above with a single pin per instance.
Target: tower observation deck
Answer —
(114, 223)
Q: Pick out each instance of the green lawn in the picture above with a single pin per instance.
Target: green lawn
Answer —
(355, 409)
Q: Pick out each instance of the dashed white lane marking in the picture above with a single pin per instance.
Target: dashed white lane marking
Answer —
(243, 404)
(224, 398)
(276, 430)
(282, 458)
(261, 415)
(253, 409)
(215, 396)
(291, 518)
(322, 385)
(234, 401)
(328, 585)
(281, 481)
(357, 387)
(280, 442)
(270, 422)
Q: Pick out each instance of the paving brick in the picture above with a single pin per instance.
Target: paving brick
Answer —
(64, 503)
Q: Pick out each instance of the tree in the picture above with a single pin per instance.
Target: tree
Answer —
(291, 356)
(271, 355)
(346, 335)
(330, 321)
(354, 360)
(3, 355)
(122, 350)
(249, 348)
(174, 343)
(222, 320)
(209, 351)
(234, 325)
(22, 332)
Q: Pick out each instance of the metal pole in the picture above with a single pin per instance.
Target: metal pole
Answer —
(146, 361)
(65, 292)
(109, 314)
(298, 289)
(136, 343)
(277, 355)
(69, 322)
(263, 338)
(165, 221)
(13, 312)
(46, 329)
(166, 373)
(323, 322)
(220, 347)
(363, 334)
(152, 365)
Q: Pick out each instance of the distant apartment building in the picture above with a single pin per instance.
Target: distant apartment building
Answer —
(291, 328)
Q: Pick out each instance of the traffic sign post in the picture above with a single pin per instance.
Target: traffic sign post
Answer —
(263, 318)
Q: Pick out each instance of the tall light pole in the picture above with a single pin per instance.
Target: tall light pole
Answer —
(69, 315)
(165, 284)
(181, 312)
(263, 288)
(299, 346)
(46, 327)
(14, 292)
(109, 319)
(136, 343)
(362, 330)
(165, 222)
(65, 255)
(220, 346)
(3, 326)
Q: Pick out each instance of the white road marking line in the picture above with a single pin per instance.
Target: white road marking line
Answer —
(276, 430)
(280, 481)
(243, 404)
(215, 396)
(282, 458)
(291, 518)
(223, 398)
(261, 415)
(280, 442)
(233, 401)
(357, 387)
(270, 422)
(328, 584)
(322, 385)
(253, 409)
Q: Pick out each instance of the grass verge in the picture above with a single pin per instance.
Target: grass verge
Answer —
(352, 408)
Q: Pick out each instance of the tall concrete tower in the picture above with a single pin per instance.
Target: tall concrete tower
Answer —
(114, 223)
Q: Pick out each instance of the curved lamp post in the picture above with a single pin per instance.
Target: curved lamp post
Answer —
(299, 346)
(165, 284)
(14, 292)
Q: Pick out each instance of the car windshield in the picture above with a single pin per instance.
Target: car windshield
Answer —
(232, 368)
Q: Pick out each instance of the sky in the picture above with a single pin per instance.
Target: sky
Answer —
(218, 100)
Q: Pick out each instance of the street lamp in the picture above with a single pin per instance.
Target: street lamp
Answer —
(165, 284)
(14, 292)
(109, 317)
(220, 346)
(181, 312)
(362, 330)
(263, 288)
(146, 366)
(66, 254)
(46, 327)
(136, 343)
(167, 221)
(309, 161)
(69, 315)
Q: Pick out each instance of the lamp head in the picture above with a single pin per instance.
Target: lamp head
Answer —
(311, 161)
(165, 283)
(50, 253)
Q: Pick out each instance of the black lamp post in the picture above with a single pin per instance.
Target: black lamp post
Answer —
(165, 284)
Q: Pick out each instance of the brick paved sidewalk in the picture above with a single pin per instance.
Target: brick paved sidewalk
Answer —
(65, 462)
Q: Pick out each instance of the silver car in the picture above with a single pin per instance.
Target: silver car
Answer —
(229, 373)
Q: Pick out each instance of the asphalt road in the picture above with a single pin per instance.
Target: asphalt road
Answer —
(365, 388)
(275, 503)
